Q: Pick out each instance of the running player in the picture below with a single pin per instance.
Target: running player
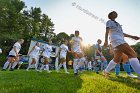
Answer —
(99, 56)
(63, 52)
(76, 48)
(34, 55)
(46, 53)
(114, 30)
(13, 55)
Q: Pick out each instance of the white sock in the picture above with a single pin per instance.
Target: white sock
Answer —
(60, 65)
(110, 66)
(65, 67)
(134, 62)
(6, 65)
(29, 66)
(75, 65)
(47, 67)
(42, 66)
(35, 66)
(56, 63)
(14, 65)
(10, 64)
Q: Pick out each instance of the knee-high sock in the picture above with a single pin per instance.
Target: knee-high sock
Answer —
(35, 66)
(134, 62)
(60, 65)
(29, 66)
(105, 64)
(14, 65)
(110, 66)
(65, 67)
(80, 64)
(42, 67)
(117, 69)
(75, 65)
(46, 67)
(6, 65)
(127, 68)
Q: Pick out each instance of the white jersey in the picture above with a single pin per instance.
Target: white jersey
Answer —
(76, 44)
(35, 52)
(116, 34)
(97, 46)
(0, 50)
(63, 52)
(18, 47)
(47, 50)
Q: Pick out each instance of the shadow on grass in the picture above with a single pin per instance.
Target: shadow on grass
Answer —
(131, 82)
(36, 82)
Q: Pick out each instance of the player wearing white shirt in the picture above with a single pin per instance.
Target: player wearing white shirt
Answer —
(99, 55)
(0, 51)
(13, 55)
(63, 52)
(46, 52)
(34, 55)
(76, 48)
(114, 30)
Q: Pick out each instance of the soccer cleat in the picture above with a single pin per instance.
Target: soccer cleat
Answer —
(132, 76)
(37, 70)
(40, 70)
(97, 72)
(11, 69)
(75, 74)
(49, 71)
(3, 70)
(67, 72)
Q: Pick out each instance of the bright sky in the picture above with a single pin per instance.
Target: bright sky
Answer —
(86, 16)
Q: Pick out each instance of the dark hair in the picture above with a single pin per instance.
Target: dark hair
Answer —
(76, 31)
(109, 15)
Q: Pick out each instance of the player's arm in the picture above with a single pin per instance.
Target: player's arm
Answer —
(58, 52)
(106, 37)
(81, 43)
(71, 43)
(31, 50)
(42, 51)
(130, 36)
(15, 50)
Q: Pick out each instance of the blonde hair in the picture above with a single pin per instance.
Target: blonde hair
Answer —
(20, 40)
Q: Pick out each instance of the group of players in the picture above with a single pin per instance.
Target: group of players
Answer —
(119, 48)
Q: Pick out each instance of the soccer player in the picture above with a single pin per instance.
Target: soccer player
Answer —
(13, 55)
(76, 48)
(46, 53)
(34, 55)
(0, 51)
(120, 46)
(63, 52)
(99, 55)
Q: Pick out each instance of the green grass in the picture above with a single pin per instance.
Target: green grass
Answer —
(88, 82)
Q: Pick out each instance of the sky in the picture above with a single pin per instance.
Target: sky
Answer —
(90, 16)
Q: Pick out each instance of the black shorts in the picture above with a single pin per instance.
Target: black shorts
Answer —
(11, 56)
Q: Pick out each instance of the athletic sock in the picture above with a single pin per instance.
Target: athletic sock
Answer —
(110, 66)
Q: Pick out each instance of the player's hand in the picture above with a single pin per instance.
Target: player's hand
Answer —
(136, 37)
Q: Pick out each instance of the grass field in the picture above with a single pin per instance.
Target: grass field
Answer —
(42, 82)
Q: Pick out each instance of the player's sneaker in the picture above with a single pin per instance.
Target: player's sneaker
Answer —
(67, 72)
(132, 76)
(49, 71)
